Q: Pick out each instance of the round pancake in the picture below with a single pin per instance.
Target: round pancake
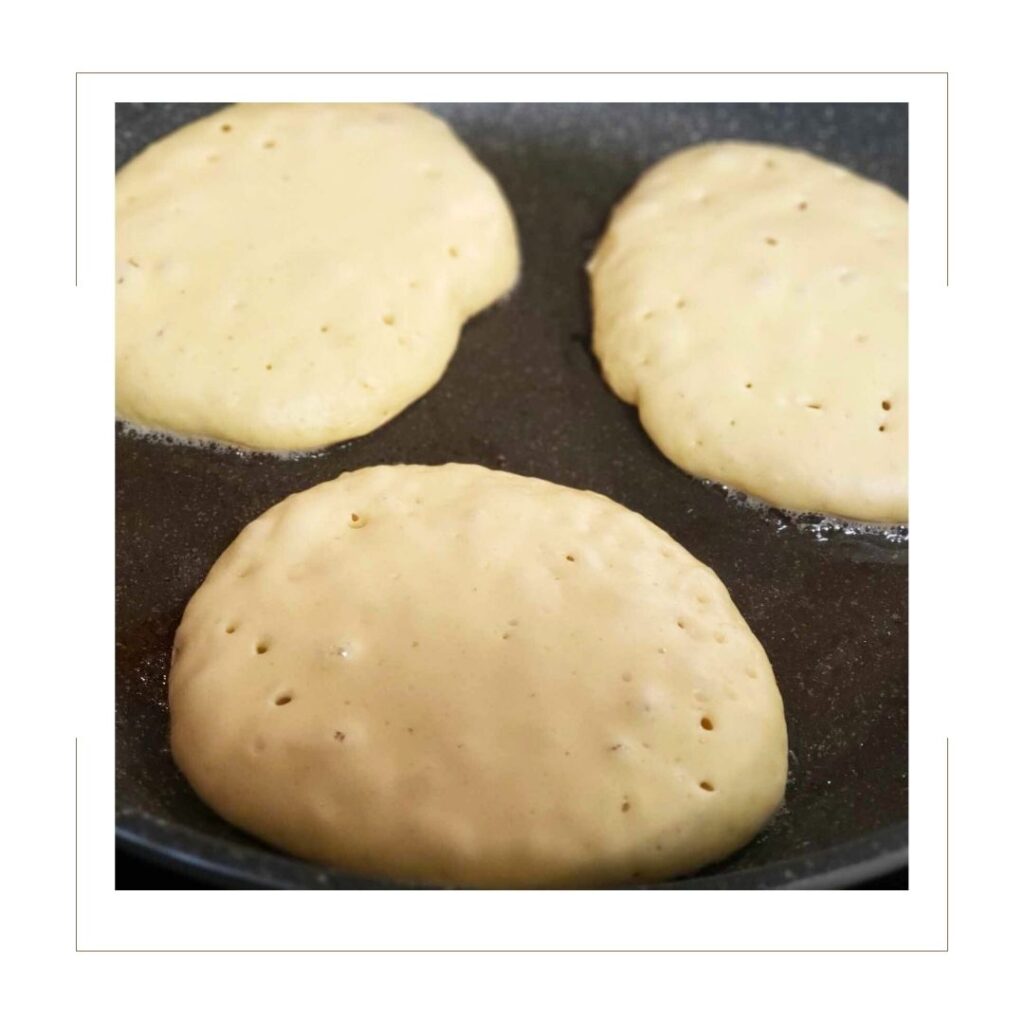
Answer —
(454, 675)
(289, 276)
(751, 301)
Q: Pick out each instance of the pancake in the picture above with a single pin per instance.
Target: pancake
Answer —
(751, 301)
(289, 276)
(458, 676)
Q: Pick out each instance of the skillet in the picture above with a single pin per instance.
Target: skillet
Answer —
(524, 393)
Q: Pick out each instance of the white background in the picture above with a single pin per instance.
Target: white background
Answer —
(965, 661)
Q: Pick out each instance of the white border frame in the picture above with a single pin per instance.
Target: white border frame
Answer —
(591, 920)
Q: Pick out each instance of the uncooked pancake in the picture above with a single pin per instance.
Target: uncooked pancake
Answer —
(289, 276)
(751, 301)
(455, 675)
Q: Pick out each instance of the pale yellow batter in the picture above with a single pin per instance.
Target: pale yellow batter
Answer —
(751, 301)
(294, 275)
(460, 676)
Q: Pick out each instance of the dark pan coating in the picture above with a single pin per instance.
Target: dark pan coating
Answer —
(524, 393)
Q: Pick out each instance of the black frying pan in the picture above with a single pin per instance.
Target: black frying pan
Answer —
(524, 393)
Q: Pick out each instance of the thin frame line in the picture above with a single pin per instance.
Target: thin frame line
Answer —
(76, 844)
(76, 177)
(602, 73)
(636, 74)
(947, 179)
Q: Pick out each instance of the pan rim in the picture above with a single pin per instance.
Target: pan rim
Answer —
(219, 861)
(229, 860)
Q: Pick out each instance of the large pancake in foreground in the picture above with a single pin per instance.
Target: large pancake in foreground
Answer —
(460, 676)
(751, 300)
(289, 276)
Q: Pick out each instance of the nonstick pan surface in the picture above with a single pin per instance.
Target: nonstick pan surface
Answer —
(523, 393)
